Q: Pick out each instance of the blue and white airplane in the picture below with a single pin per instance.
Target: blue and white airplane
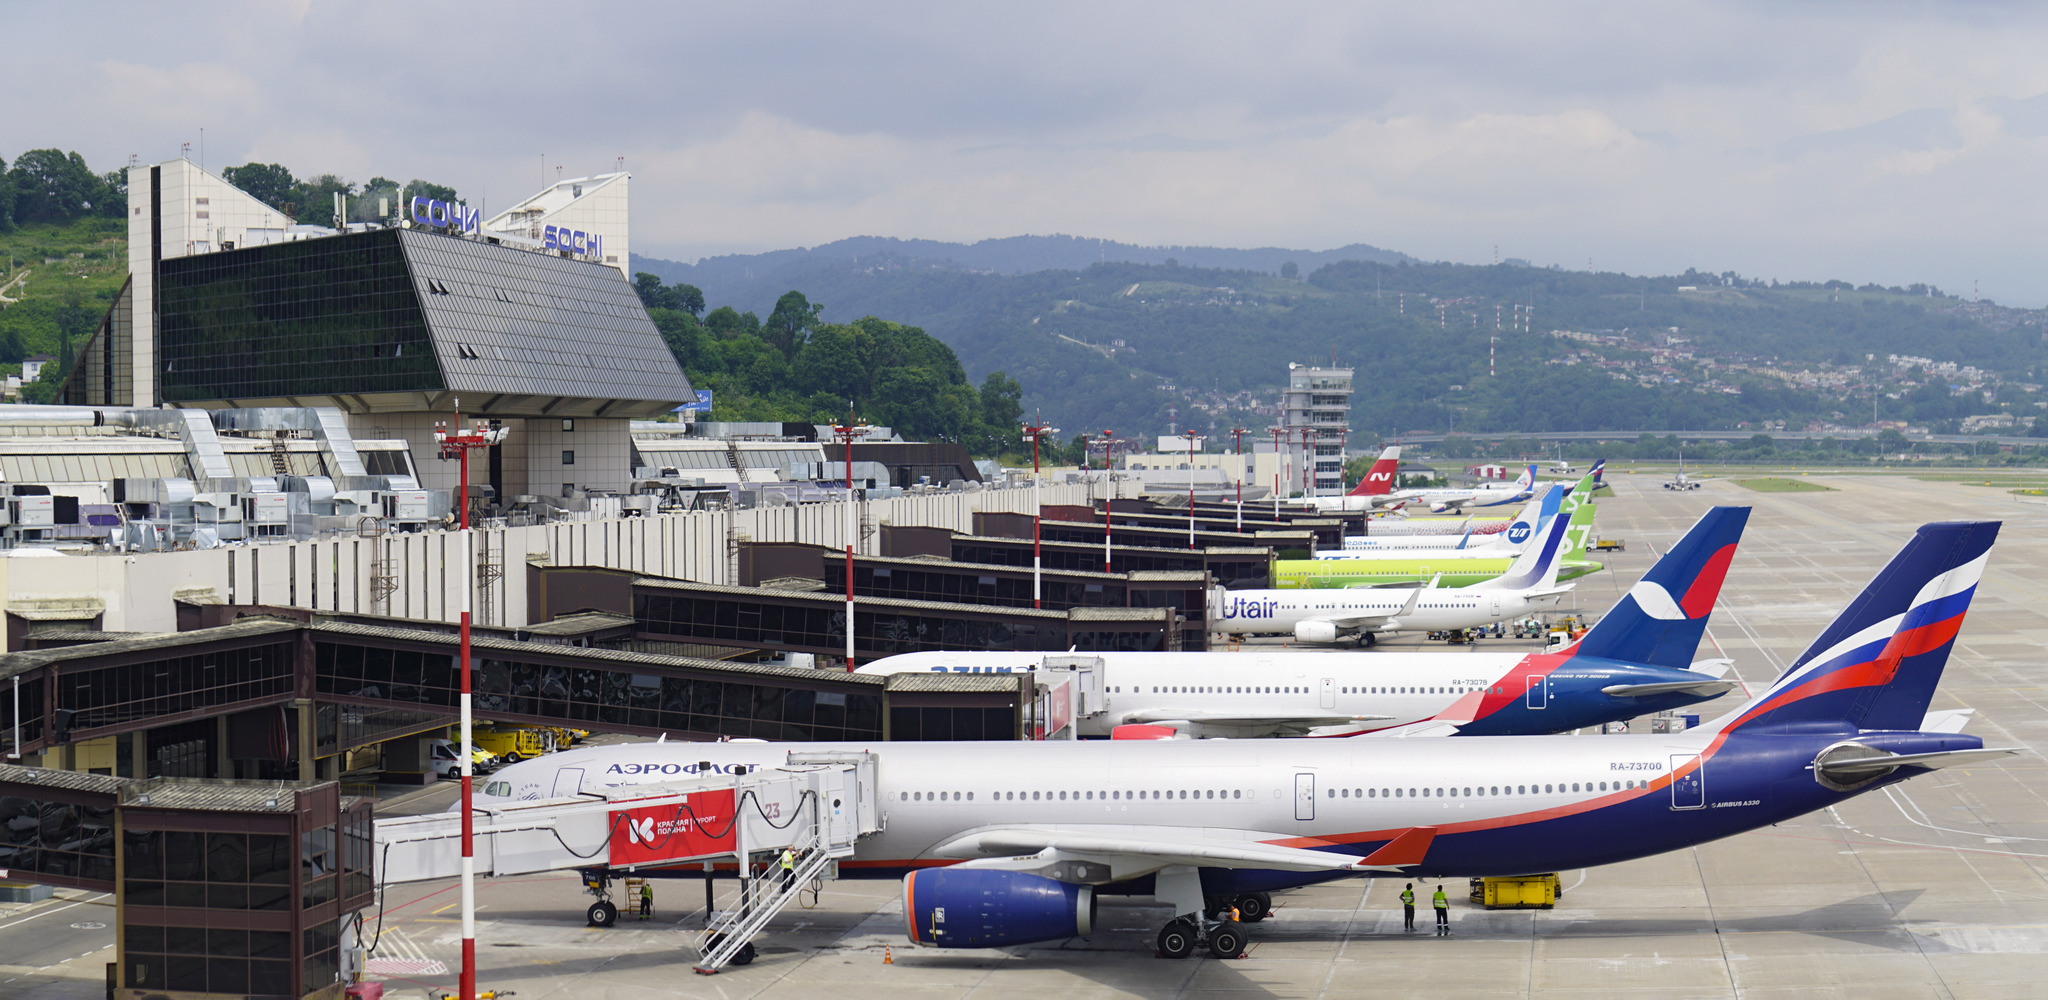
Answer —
(1010, 843)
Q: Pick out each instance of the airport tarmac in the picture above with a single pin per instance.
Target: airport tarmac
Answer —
(1934, 888)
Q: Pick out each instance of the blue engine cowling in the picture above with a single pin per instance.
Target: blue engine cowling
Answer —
(983, 908)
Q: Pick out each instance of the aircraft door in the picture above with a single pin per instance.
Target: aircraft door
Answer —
(568, 781)
(1496, 605)
(1305, 796)
(1329, 692)
(1538, 695)
(1688, 787)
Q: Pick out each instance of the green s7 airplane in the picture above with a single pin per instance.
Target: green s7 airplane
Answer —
(1458, 568)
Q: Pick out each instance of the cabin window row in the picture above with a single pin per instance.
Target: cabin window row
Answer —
(1117, 795)
(1485, 790)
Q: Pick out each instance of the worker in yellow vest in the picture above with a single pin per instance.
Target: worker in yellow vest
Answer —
(1408, 907)
(1443, 911)
(788, 868)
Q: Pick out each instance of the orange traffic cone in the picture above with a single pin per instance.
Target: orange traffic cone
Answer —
(887, 958)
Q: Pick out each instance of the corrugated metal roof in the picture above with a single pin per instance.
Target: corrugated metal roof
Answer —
(516, 322)
(1120, 614)
(611, 657)
(77, 781)
(947, 683)
(927, 562)
(581, 623)
(15, 663)
(1168, 575)
(769, 594)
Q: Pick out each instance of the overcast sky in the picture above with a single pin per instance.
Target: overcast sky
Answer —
(1869, 141)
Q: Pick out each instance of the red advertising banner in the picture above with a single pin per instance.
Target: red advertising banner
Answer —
(1056, 712)
(652, 834)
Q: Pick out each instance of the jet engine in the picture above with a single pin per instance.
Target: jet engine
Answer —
(1315, 632)
(986, 908)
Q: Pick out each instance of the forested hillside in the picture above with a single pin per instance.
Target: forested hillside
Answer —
(1121, 344)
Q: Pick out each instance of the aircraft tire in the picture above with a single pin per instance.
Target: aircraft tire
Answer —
(602, 914)
(1227, 940)
(1254, 907)
(1177, 938)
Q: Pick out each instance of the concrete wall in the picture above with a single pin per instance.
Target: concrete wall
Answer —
(341, 573)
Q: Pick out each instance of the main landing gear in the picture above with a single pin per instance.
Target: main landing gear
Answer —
(1366, 640)
(1214, 928)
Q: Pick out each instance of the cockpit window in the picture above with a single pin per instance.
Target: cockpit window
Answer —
(501, 789)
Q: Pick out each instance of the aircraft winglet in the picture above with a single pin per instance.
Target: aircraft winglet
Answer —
(1405, 850)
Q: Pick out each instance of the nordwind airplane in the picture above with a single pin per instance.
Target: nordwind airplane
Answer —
(1378, 482)
(1358, 568)
(1530, 585)
(1010, 843)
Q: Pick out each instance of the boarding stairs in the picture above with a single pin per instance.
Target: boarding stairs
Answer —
(730, 934)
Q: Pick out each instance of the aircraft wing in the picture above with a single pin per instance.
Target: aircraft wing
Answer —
(1130, 851)
(1362, 622)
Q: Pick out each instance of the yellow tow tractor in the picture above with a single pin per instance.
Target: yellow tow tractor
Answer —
(510, 742)
(1517, 892)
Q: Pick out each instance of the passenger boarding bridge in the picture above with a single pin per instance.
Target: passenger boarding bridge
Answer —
(817, 805)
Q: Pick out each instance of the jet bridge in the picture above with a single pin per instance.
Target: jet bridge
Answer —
(816, 805)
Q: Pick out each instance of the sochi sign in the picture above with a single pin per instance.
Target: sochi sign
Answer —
(573, 240)
(443, 215)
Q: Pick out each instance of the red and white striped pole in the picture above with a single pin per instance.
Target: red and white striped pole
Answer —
(1033, 432)
(456, 443)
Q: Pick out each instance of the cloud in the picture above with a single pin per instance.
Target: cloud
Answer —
(1873, 141)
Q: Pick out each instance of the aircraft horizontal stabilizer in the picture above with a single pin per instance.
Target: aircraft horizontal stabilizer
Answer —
(1150, 848)
(1708, 688)
(1712, 668)
(1947, 721)
(1860, 767)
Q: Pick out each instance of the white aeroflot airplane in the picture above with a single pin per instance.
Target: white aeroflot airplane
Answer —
(1460, 498)
(1007, 843)
(1328, 614)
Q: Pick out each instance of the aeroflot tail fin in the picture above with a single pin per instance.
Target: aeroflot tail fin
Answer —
(1877, 665)
(1660, 620)
(1595, 472)
(1380, 478)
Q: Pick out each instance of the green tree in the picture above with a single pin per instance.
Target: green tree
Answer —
(74, 324)
(269, 183)
(790, 323)
(6, 198)
(1002, 412)
(1290, 270)
(114, 195)
(53, 186)
(729, 323)
(315, 198)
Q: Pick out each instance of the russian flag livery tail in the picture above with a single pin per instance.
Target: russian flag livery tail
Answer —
(1660, 620)
(1599, 469)
(1876, 667)
(1380, 478)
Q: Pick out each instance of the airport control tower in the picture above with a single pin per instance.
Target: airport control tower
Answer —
(1315, 417)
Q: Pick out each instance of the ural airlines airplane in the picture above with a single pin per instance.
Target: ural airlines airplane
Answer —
(1010, 843)
(1613, 675)
(1529, 585)
(1378, 482)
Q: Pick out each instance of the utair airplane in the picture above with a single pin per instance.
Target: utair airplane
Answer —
(1378, 482)
(1325, 615)
(1616, 672)
(1010, 843)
